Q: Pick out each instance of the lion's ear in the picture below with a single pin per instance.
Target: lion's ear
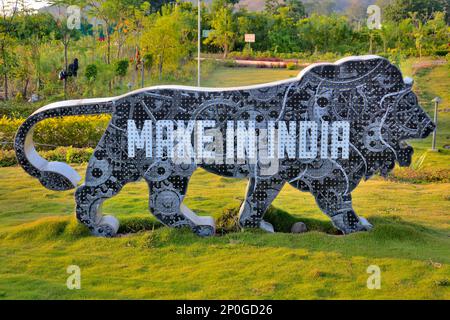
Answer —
(409, 81)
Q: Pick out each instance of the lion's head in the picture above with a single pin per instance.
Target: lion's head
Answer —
(407, 120)
(384, 112)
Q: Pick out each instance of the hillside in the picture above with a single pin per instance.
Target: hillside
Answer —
(313, 5)
(322, 6)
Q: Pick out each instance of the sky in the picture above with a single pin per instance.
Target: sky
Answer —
(36, 4)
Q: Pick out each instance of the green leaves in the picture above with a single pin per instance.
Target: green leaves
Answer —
(121, 68)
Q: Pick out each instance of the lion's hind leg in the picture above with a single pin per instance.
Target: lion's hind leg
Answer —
(340, 209)
(166, 204)
(99, 186)
(260, 195)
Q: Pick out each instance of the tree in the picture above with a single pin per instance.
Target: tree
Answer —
(157, 5)
(258, 23)
(323, 7)
(296, 9)
(9, 10)
(437, 33)
(401, 9)
(33, 30)
(91, 73)
(357, 10)
(121, 69)
(24, 70)
(65, 32)
(169, 37)
(388, 33)
(224, 30)
(108, 12)
(418, 33)
(271, 6)
(216, 5)
(283, 35)
(326, 34)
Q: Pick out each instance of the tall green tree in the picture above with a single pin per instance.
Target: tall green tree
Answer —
(224, 30)
(438, 33)
(401, 9)
(169, 37)
(271, 6)
(33, 30)
(296, 9)
(258, 23)
(9, 11)
(216, 5)
(419, 32)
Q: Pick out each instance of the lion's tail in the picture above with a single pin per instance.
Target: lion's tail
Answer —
(54, 175)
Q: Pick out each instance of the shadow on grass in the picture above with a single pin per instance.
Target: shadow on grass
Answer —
(392, 236)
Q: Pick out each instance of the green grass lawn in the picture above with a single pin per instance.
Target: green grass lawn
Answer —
(232, 77)
(39, 238)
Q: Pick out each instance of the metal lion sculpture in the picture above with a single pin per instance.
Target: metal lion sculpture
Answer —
(322, 132)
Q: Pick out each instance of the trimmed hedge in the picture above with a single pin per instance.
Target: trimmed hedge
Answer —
(78, 132)
(62, 154)
(7, 158)
(409, 175)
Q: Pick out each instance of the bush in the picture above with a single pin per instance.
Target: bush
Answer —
(148, 61)
(79, 131)
(75, 155)
(7, 158)
(57, 155)
(62, 154)
(420, 176)
(441, 52)
(228, 222)
(14, 109)
(121, 68)
(8, 129)
(91, 72)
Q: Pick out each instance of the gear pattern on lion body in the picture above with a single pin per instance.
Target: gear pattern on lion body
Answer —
(367, 92)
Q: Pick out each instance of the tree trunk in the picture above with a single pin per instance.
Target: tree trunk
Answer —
(5, 76)
(66, 64)
(25, 89)
(160, 67)
(225, 51)
(6, 87)
(108, 55)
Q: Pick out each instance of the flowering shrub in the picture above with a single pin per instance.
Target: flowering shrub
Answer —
(79, 132)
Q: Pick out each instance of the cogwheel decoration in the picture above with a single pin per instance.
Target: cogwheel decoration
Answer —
(367, 94)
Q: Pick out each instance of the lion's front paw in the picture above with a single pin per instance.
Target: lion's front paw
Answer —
(349, 222)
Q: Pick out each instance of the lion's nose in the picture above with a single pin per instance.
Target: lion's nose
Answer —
(428, 130)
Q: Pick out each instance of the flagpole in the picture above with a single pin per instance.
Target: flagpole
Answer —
(199, 45)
